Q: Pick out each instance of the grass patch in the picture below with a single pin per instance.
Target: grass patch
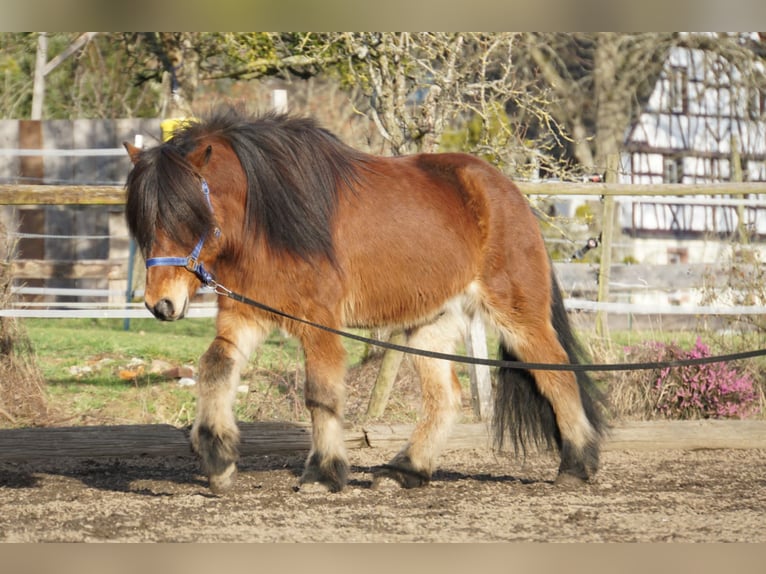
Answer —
(76, 339)
(97, 372)
(86, 363)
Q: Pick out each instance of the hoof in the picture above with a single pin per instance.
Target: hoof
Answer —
(401, 471)
(223, 482)
(569, 480)
(330, 474)
(579, 464)
(217, 451)
(312, 488)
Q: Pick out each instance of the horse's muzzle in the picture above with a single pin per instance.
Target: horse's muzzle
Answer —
(165, 310)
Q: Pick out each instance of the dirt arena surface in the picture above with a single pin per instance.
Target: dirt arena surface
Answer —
(477, 496)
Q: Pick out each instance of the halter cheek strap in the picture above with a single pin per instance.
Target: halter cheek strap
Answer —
(190, 262)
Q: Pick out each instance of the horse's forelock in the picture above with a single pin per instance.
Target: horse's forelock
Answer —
(164, 193)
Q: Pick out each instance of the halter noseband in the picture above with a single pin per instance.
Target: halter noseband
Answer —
(191, 262)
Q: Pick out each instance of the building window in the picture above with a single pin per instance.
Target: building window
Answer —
(757, 103)
(678, 255)
(679, 89)
(672, 170)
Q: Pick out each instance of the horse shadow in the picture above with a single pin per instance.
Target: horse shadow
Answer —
(129, 475)
(168, 476)
(439, 476)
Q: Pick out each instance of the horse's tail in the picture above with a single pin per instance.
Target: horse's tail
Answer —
(522, 413)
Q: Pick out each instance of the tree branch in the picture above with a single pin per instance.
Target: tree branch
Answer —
(71, 49)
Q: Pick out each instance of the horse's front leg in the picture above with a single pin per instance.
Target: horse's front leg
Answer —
(215, 435)
(324, 392)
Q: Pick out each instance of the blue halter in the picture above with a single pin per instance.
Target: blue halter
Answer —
(191, 262)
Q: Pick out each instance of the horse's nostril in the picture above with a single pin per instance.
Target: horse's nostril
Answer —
(164, 310)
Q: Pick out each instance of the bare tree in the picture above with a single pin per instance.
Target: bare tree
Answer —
(423, 85)
(43, 66)
(418, 86)
(599, 81)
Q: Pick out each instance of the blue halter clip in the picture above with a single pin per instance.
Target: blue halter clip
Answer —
(191, 262)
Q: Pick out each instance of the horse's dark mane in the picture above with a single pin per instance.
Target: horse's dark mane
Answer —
(294, 168)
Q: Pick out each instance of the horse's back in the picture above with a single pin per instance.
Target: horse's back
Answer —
(452, 197)
(421, 229)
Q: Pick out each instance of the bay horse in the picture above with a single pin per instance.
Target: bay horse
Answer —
(278, 209)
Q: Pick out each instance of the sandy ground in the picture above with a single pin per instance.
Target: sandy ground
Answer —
(477, 496)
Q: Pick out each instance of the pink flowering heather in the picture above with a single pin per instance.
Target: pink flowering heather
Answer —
(711, 390)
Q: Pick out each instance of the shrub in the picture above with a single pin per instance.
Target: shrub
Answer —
(710, 390)
(22, 388)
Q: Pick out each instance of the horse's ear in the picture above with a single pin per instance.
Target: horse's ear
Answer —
(199, 157)
(133, 151)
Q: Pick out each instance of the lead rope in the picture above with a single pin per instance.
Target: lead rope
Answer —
(518, 365)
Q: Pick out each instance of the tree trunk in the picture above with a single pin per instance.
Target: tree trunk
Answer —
(38, 89)
(181, 76)
(611, 95)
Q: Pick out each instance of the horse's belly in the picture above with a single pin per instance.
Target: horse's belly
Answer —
(405, 286)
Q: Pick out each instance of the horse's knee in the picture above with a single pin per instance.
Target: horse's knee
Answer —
(215, 364)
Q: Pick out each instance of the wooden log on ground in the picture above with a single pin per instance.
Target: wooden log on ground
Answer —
(92, 442)
(286, 438)
(384, 436)
(629, 435)
(687, 435)
(152, 440)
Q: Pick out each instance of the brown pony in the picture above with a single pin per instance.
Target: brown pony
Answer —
(279, 210)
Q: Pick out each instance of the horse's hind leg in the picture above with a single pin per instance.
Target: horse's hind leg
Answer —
(441, 396)
(548, 405)
(324, 393)
(215, 435)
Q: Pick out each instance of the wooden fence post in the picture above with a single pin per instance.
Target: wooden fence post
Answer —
(279, 101)
(607, 236)
(481, 383)
(737, 176)
(384, 382)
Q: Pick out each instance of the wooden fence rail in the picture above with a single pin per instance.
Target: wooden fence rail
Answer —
(19, 194)
(287, 438)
